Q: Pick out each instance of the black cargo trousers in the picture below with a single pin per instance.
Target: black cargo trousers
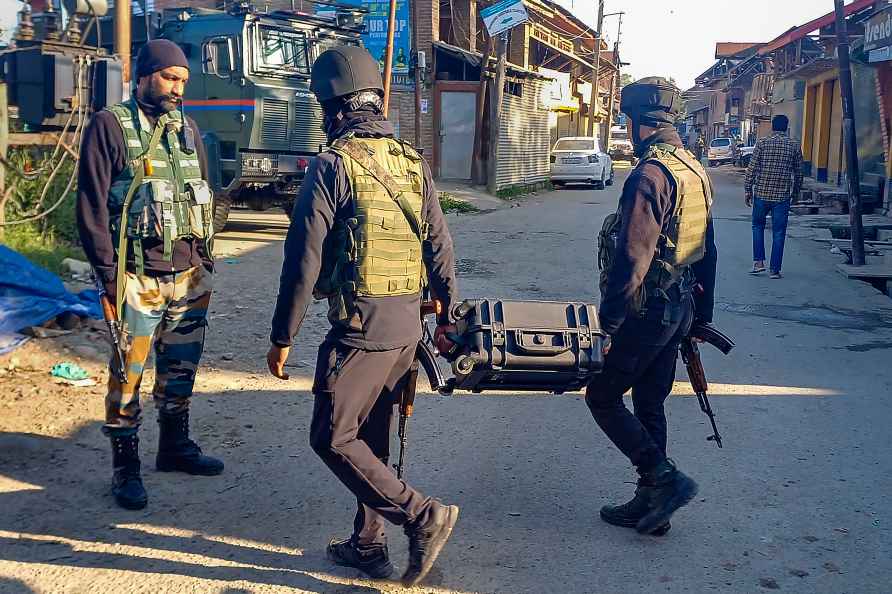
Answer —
(356, 396)
(642, 357)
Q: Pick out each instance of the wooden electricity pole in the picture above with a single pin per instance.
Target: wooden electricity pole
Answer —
(122, 38)
(495, 124)
(848, 126)
(478, 163)
(593, 108)
(615, 81)
(388, 55)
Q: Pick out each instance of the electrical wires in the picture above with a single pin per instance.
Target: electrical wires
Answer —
(79, 112)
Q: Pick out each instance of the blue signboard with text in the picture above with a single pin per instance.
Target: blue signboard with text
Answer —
(375, 37)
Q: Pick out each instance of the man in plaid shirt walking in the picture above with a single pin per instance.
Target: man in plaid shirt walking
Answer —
(773, 179)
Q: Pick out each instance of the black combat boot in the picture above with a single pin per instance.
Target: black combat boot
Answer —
(630, 513)
(372, 560)
(126, 482)
(426, 541)
(671, 490)
(178, 453)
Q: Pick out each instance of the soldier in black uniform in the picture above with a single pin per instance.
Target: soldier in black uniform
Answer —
(368, 233)
(657, 257)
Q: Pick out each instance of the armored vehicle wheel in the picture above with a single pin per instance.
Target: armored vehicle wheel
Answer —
(222, 204)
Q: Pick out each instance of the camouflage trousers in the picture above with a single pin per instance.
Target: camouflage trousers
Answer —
(169, 311)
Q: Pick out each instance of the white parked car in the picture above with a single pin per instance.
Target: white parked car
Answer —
(579, 159)
(721, 150)
(621, 145)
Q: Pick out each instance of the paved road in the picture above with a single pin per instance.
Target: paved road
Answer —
(798, 499)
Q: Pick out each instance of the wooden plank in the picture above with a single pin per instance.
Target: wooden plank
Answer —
(868, 271)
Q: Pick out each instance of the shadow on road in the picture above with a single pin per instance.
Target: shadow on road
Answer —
(56, 514)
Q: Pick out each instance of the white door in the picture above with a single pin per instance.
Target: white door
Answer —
(457, 116)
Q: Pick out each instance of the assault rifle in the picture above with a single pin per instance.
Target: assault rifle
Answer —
(426, 358)
(114, 330)
(690, 354)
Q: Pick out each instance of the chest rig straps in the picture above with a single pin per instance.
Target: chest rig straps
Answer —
(139, 166)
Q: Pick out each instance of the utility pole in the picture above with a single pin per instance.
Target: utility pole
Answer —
(615, 81)
(848, 126)
(596, 65)
(478, 169)
(122, 39)
(495, 124)
(388, 55)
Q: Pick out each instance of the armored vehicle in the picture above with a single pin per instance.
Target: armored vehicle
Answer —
(249, 93)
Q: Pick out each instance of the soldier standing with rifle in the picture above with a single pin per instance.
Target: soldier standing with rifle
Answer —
(144, 218)
(653, 252)
(368, 233)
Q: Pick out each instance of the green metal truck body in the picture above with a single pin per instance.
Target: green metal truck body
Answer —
(249, 93)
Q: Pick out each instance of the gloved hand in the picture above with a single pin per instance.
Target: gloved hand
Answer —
(443, 344)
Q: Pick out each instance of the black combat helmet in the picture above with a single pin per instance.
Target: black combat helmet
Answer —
(651, 101)
(343, 71)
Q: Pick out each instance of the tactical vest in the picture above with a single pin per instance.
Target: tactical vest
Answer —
(682, 241)
(378, 251)
(172, 201)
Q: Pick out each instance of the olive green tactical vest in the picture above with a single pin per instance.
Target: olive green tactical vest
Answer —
(377, 252)
(172, 202)
(682, 242)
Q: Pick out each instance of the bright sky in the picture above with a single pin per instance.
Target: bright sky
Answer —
(689, 29)
(677, 37)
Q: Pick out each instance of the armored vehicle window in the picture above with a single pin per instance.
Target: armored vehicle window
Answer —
(283, 51)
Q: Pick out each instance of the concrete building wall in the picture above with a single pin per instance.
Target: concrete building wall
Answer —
(787, 99)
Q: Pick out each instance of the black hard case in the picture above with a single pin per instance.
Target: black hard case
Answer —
(542, 346)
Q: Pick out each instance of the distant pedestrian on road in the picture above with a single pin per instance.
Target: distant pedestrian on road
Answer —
(773, 179)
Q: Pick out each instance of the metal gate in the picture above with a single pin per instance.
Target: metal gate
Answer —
(457, 117)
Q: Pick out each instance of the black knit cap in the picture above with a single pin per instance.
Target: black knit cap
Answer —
(159, 54)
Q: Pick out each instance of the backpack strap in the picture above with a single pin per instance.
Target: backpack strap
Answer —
(355, 150)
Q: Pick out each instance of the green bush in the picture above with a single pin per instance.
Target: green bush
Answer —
(50, 239)
(42, 249)
(449, 203)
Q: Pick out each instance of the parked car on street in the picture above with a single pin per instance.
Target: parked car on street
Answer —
(579, 159)
(721, 150)
(621, 145)
(744, 155)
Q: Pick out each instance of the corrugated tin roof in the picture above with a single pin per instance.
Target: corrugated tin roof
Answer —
(729, 49)
(798, 33)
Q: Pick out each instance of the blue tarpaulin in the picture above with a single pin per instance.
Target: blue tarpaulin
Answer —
(31, 295)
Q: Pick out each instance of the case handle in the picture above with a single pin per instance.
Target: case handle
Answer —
(541, 342)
